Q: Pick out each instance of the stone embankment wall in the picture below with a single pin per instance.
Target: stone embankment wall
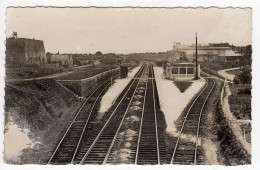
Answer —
(84, 87)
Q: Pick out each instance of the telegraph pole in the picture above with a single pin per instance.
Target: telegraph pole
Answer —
(240, 59)
(196, 61)
(111, 78)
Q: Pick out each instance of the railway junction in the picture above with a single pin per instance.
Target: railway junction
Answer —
(89, 140)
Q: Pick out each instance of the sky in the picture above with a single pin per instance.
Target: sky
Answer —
(128, 30)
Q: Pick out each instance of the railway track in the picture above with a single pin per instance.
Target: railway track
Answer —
(133, 139)
(187, 151)
(66, 146)
(100, 146)
(148, 151)
(83, 126)
(129, 132)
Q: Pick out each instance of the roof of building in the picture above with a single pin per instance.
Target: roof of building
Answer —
(210, 46)
(60, 57)
(183, 64)
(219, 44)
(232, 53)
(21, 39)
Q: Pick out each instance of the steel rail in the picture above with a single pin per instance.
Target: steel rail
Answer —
(180, 132)
(92, 145)
(78, 115)
(155, 118)
(122, 90)
(72, 161)
(83, 131)
(73, 122)
(140, 128)
(196, 147)
(121, 123)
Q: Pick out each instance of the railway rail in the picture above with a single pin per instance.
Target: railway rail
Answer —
(98, 150)
(187, 152)
(65, 148)
(89, 140)
(143, 145)
(148, 151)
(82, 127)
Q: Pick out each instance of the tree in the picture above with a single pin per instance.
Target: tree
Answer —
(98, 53)
(247, 55)
(245, 76)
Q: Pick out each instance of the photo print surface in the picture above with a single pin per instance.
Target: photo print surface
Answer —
(139, 86)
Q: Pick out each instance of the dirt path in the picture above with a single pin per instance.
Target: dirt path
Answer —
(227, 75)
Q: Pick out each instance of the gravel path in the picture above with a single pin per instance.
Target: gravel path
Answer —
(227, 75)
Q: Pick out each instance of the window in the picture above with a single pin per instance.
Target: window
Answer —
(190, 71)
(174, 70)
(182, 70)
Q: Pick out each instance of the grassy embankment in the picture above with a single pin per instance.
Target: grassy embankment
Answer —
(229, 146)
(35, 71)
(213, 67)
(234, 72)
(214, 127)
(44, 108)
(240, 103)
(27, 72)
(182, 85)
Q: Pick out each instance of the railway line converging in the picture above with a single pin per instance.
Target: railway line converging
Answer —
(129, 132)
(83, 121)
(188, 152)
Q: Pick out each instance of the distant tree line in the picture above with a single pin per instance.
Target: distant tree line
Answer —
(245, 76)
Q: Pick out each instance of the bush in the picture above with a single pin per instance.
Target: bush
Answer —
(244, 77)
(236, 80)
(245, 90)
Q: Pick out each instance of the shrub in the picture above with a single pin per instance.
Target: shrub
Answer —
(244, 77)
(245, 90)
(236, 80)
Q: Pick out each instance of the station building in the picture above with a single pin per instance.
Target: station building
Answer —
(181, 71)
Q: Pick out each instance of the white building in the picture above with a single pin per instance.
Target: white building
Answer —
(181, 71)
(214, 51)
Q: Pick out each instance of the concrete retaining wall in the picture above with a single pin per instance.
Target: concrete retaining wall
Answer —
(84, 87)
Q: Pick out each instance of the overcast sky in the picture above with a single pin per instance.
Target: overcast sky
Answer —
(87, 30)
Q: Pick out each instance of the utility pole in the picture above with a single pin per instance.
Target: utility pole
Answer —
(240, 60)
(92, 61)
(111, 78)
(196, 61)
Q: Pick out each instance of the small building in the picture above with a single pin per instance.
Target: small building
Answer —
(23, 51)
(110, 59)
(123, 71)
(61, 59)
(181, 71)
